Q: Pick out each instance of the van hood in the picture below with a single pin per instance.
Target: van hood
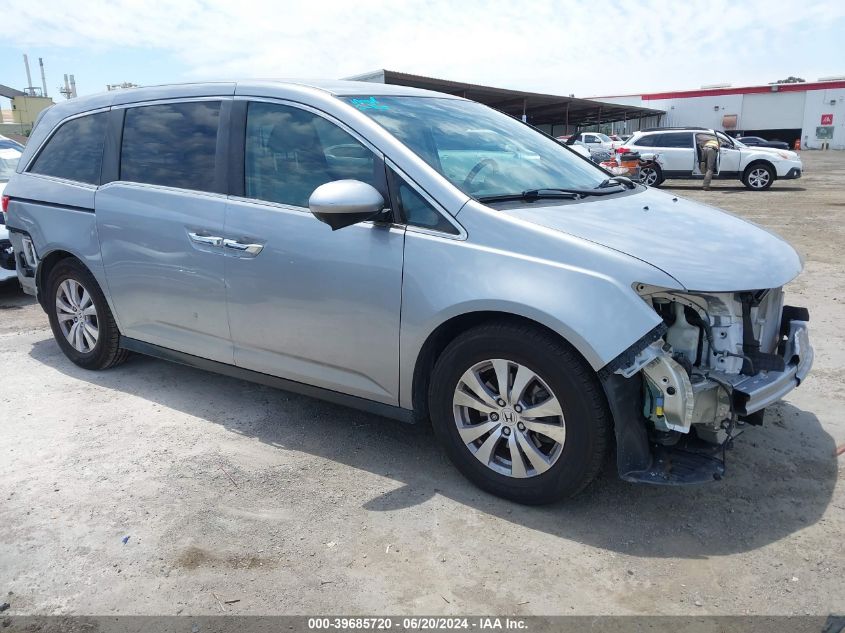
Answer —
(702, 247)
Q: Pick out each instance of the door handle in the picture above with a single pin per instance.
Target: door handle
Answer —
(243, 247)
(207, 240)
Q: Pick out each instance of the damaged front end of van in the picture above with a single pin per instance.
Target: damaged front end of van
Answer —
(682, 393)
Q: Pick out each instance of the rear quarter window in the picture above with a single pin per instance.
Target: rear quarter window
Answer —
(75, 151)
(644, 141)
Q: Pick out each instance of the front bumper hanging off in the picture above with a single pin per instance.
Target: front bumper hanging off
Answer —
(754, 393)
(640, 459)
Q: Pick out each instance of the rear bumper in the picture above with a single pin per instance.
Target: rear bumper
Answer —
(26, 260)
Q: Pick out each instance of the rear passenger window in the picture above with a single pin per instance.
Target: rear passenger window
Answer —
(172, 144)
(290, 152)
(676, 139)
(75, 151)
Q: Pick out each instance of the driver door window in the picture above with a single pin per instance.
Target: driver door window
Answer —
(724, 141)
(290, 152)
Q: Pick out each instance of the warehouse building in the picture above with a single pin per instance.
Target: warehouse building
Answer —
(813, 112)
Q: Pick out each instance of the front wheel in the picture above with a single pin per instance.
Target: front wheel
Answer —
(758, 177)
(519, 413)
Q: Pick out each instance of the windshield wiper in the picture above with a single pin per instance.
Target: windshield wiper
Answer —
(617, 180)
(550, 193)
(533, 194)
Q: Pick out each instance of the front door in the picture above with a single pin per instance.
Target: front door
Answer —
(160, 226)
(591, 140)
(729, 157)
(307, 303)
(700, 139)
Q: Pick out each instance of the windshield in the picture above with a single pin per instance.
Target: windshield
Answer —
(8, 162)
(604, 138)
(481, 151)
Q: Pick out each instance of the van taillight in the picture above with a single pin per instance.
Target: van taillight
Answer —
(622, 150)
(5, 204)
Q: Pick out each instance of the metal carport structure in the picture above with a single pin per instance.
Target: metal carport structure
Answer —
(539, 109)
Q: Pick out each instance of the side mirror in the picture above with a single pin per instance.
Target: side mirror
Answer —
(342, 203)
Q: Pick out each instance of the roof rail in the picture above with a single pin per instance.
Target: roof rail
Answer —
(683, 127)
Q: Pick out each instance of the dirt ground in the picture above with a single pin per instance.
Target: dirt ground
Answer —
(230, 491)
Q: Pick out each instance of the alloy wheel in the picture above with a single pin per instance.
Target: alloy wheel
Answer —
(648, 176)
(509, 418)
(758, 178)
(77, 315)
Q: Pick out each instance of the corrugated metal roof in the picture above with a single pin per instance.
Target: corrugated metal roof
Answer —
(9, 93)
(540, 108)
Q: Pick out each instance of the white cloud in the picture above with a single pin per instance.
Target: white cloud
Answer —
(582, 46)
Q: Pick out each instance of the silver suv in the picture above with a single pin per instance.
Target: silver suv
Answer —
(416, 255)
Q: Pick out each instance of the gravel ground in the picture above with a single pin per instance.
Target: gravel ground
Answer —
(159, 489)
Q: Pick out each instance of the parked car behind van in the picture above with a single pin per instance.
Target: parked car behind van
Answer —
(757, 141)
(10, 153)
(416, 255)
(677, 155)
(597, 154)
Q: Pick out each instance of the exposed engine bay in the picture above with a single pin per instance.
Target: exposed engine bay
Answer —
(717, 361)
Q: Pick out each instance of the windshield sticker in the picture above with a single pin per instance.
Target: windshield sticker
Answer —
(369, 104)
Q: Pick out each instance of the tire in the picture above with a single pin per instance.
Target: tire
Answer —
(562, 468)
(758, 176)
(74, 298)
(653, 173)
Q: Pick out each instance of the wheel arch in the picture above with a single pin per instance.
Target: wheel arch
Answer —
(761, 161)
(659, 171)
(759, 164)
(45, 266)
(49, 261)
(449, 330)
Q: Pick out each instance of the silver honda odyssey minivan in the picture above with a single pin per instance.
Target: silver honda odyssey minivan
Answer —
(416, 255)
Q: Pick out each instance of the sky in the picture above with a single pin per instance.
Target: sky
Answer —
(581, 47)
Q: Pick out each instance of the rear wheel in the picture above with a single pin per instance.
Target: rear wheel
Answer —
(80, 318)
(519, 413)
(651, 176)
(758, 177)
